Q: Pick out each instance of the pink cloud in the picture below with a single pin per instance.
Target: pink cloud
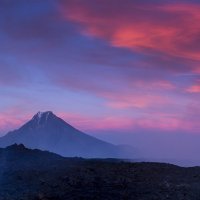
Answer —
(158, 121)
(88, 123)
(193, 89)
(131, 100)
(169, 28)
(11, 119)
(154, 84)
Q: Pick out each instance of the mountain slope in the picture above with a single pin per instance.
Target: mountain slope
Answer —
(46, 131)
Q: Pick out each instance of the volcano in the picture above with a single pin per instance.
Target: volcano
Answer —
(46, 131)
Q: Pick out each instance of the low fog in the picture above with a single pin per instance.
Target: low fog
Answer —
(173, 147)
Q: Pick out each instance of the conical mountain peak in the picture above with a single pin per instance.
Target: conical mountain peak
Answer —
(43, 117)
(48, 120)
(46, 131)
(43, 114)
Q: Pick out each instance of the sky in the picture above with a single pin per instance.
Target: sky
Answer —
(121, 70)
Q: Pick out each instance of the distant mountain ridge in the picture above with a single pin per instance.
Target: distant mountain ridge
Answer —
(46, 131)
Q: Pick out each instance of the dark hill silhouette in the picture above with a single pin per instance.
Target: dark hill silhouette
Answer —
(27, 174)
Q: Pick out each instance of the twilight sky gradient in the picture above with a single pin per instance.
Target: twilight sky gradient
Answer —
(117, 66)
